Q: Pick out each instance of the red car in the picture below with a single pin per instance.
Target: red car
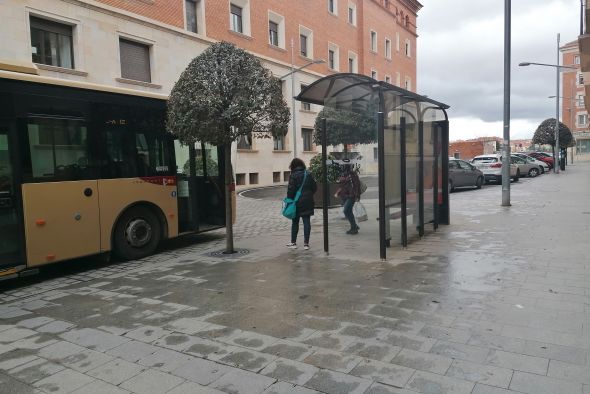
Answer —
(546, 157)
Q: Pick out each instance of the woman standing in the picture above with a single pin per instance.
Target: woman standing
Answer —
(349, 192)
(299, 176)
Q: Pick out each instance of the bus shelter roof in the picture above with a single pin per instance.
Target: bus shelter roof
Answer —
(358, 88)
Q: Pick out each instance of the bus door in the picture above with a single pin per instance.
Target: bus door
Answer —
(60, 198)
(10, 229)
(200, 189)
(210, 186)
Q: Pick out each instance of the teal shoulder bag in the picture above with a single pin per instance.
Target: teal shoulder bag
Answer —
(290, 204)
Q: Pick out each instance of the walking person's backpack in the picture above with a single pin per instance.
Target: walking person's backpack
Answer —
(290, 204)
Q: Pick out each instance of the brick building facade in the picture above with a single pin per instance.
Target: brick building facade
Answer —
(573, 97)
(372, 37)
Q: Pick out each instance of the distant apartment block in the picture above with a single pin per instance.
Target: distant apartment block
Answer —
(468, 149)
(146, 44)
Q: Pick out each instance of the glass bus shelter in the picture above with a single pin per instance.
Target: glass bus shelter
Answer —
(410, 135)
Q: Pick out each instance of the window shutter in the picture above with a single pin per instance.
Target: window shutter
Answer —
(135, 61)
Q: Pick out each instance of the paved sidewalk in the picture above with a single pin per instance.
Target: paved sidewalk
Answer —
(498, 302)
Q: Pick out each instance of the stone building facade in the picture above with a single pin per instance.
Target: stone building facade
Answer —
(146, 44)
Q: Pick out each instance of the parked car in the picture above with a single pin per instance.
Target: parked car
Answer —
(464, 174)
(526, 168)
(547, 158)
(491, 166)
(544, 166)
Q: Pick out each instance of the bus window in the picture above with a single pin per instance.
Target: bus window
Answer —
(59, 149)
(152, 154)
(208, 160)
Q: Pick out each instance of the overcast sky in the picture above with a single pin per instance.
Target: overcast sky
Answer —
(460, 61)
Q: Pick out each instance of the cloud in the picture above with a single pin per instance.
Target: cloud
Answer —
(461, 60)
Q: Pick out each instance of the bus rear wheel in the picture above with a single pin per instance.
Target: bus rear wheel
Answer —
(137, 233)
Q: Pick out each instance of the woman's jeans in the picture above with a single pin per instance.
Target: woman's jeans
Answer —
(347, 205)
(306, 229)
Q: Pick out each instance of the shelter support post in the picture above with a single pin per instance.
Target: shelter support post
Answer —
(404, 186)
(435, 138)
(421, 178)
(381, 159)
(326, 189)
(445, 207)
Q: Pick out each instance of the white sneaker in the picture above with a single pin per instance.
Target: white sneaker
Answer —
(306, 247)
(291, 245)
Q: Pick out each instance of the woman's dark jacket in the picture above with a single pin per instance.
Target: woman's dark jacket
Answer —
(305, 203)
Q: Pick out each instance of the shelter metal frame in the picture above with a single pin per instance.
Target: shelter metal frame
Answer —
(358, 90)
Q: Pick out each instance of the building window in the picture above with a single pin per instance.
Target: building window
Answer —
(135, 60)
(408, 49)
(408, 84)
(276, 29)
(51, 43)
(191, 15)
(286, 175)
(236, 18)
(576, 59)
(398, 79)
(303, 45)
(240, 179)
(331, 62)
(352, 14)
(387, 79)
(373, 41)
(253, 178)
(305, 42)
(245, 142)
(273, 33)
(307, 135)
(388, 48)
(582, 119)
(278, 142)
(580, 100)
(580, 79)
(305, 106)
(333, 7)
(373, 74)
(397, 42)
(333, 57)
(352, 63)
(276, 177)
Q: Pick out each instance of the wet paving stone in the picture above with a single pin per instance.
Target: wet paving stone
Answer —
(337, 383)
(423, 361)
(391, 374)
(426, 382)
(333, 360)
(248, 359)
(289, 349)
(485, 374)
(374, 350)
(290, 371)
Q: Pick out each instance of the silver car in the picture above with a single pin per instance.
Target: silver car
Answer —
(526, 167)
(491, 166)
(463, 174)
(542, 165)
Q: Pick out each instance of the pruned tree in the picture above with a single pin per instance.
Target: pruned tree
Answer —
(225, 93)
(345, 127)
(545, 135)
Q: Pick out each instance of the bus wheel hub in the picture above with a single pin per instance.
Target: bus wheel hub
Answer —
(138, 233)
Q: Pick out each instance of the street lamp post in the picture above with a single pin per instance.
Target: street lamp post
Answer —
(506, 134)
(292, 74)
(558, 67)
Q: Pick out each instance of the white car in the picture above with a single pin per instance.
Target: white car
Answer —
(544, 166)
(491, 166)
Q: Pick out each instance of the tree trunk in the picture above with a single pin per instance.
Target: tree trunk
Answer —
(229, 231)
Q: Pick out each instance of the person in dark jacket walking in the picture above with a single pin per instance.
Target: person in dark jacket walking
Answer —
(305, 204)
(349, 192)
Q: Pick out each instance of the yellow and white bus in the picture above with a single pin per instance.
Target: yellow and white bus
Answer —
(88, 169)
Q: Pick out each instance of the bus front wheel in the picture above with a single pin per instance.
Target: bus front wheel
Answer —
(137, 233)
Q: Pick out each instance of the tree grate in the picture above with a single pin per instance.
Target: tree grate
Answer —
(237, 253)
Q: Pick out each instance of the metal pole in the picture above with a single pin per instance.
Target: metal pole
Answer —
(556, 162)
(326, 190)
(293, 112)
(506, 141)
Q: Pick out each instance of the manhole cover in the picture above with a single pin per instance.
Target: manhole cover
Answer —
(221, 253)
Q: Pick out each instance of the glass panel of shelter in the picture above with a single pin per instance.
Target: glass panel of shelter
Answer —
(351, 131)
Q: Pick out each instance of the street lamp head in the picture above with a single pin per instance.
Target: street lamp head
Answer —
(524, 64)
